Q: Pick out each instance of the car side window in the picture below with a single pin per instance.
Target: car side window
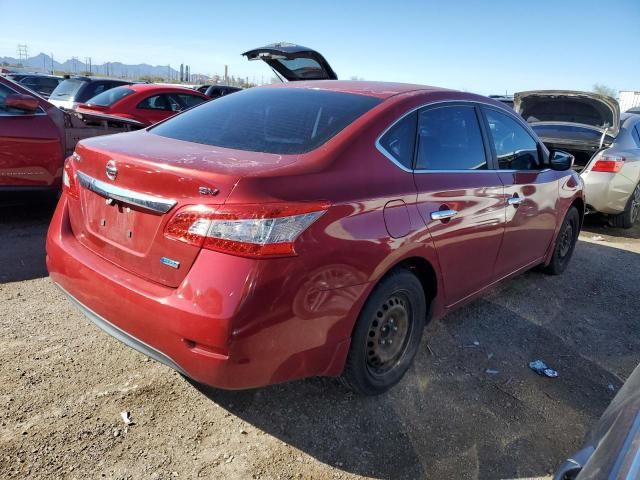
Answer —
(449, 138)
(187, 101)
(399, 141)
(515, 148)
(636, 135)
(155, 102)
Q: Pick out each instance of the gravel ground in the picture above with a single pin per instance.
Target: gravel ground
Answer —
(63, 384)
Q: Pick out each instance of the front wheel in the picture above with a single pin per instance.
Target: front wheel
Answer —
(387, 334)
(565, 243)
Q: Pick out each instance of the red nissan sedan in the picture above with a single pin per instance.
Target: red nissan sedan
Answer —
(309, 228)
(144, 102)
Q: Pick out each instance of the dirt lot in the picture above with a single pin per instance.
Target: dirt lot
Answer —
(63, 384)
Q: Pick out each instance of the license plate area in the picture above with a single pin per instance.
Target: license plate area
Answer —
(117, 223)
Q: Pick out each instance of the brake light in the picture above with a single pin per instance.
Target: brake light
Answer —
(609, 164)
(259, 230)
(69, 180)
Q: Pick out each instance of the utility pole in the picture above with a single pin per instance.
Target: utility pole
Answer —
(226, 74)
(23, 53)
(52, 67)
(169, 73)
(87, 61)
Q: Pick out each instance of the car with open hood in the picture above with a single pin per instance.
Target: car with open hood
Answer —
(605, 144)
(307, 228)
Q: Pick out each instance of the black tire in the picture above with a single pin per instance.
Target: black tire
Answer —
(631, 212)
(565, 243)
(395, 310)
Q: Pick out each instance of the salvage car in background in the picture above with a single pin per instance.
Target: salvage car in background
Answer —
(36, 136)
(612, 448)
(296, 230)
(145, 103)
(605, 144)
(39, 83)
(78, 89)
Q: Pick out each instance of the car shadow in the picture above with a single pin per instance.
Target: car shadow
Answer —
(24, 218)
(449, 417)
(598, 224)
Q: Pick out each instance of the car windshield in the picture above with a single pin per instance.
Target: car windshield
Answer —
(109, 97)
(67, 89)
(270, 120)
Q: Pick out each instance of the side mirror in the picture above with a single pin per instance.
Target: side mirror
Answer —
(561, 160)
(18, 101)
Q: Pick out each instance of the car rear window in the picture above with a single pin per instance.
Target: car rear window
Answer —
(270, 120)
(67, 89)
(108, 98)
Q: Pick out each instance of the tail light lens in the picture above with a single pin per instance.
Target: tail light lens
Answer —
(608, 163)
(69, 180)
(245, 230)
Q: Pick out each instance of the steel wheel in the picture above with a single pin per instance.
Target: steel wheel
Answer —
(388, 334)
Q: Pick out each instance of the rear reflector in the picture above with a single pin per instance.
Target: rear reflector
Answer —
(609, 164)
(69, 180)
(260, 230)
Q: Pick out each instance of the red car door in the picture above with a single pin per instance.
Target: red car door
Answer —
(530, 190)
(31, 148)
(156, 108)
(460, 197)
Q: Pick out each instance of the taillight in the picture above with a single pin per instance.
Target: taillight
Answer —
(259, 230)
(69, 180)
(608, 163)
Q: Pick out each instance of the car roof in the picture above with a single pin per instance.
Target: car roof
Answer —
(380, 90)
(145, 87)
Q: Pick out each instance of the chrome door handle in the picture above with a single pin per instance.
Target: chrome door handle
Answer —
(443, 214)
(515, 200)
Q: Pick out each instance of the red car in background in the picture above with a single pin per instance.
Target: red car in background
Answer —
(145, 103)
(36, 137)
(310, 228)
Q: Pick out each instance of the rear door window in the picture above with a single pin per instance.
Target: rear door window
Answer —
(67, 89)
(449, 138)
(515, 148)
(186, 100)
(155, 102)
(270, 120)
(111, 96)
(399, 141)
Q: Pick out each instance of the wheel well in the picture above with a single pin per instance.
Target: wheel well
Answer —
(422, 269)
(579, 204)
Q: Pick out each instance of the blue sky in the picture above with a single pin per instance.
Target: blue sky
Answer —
(486, 47)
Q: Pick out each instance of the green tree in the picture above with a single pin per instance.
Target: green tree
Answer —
(605, 90)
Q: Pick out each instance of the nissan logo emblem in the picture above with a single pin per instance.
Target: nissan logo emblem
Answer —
(111, 170)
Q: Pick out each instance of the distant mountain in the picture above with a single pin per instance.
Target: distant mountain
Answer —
(43, 63)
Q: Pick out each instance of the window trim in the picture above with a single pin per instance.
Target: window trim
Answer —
(492, 161)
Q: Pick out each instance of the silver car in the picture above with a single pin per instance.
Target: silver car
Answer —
(605, 144)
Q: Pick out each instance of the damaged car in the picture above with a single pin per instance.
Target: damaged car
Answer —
(605, 144)
(36, 137)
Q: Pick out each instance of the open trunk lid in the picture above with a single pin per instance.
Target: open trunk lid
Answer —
(130, 186)
(293, 62)
(587, 109)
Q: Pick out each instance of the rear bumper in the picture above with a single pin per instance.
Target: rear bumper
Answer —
(123, 336)
(607, 192)
(232, 323)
